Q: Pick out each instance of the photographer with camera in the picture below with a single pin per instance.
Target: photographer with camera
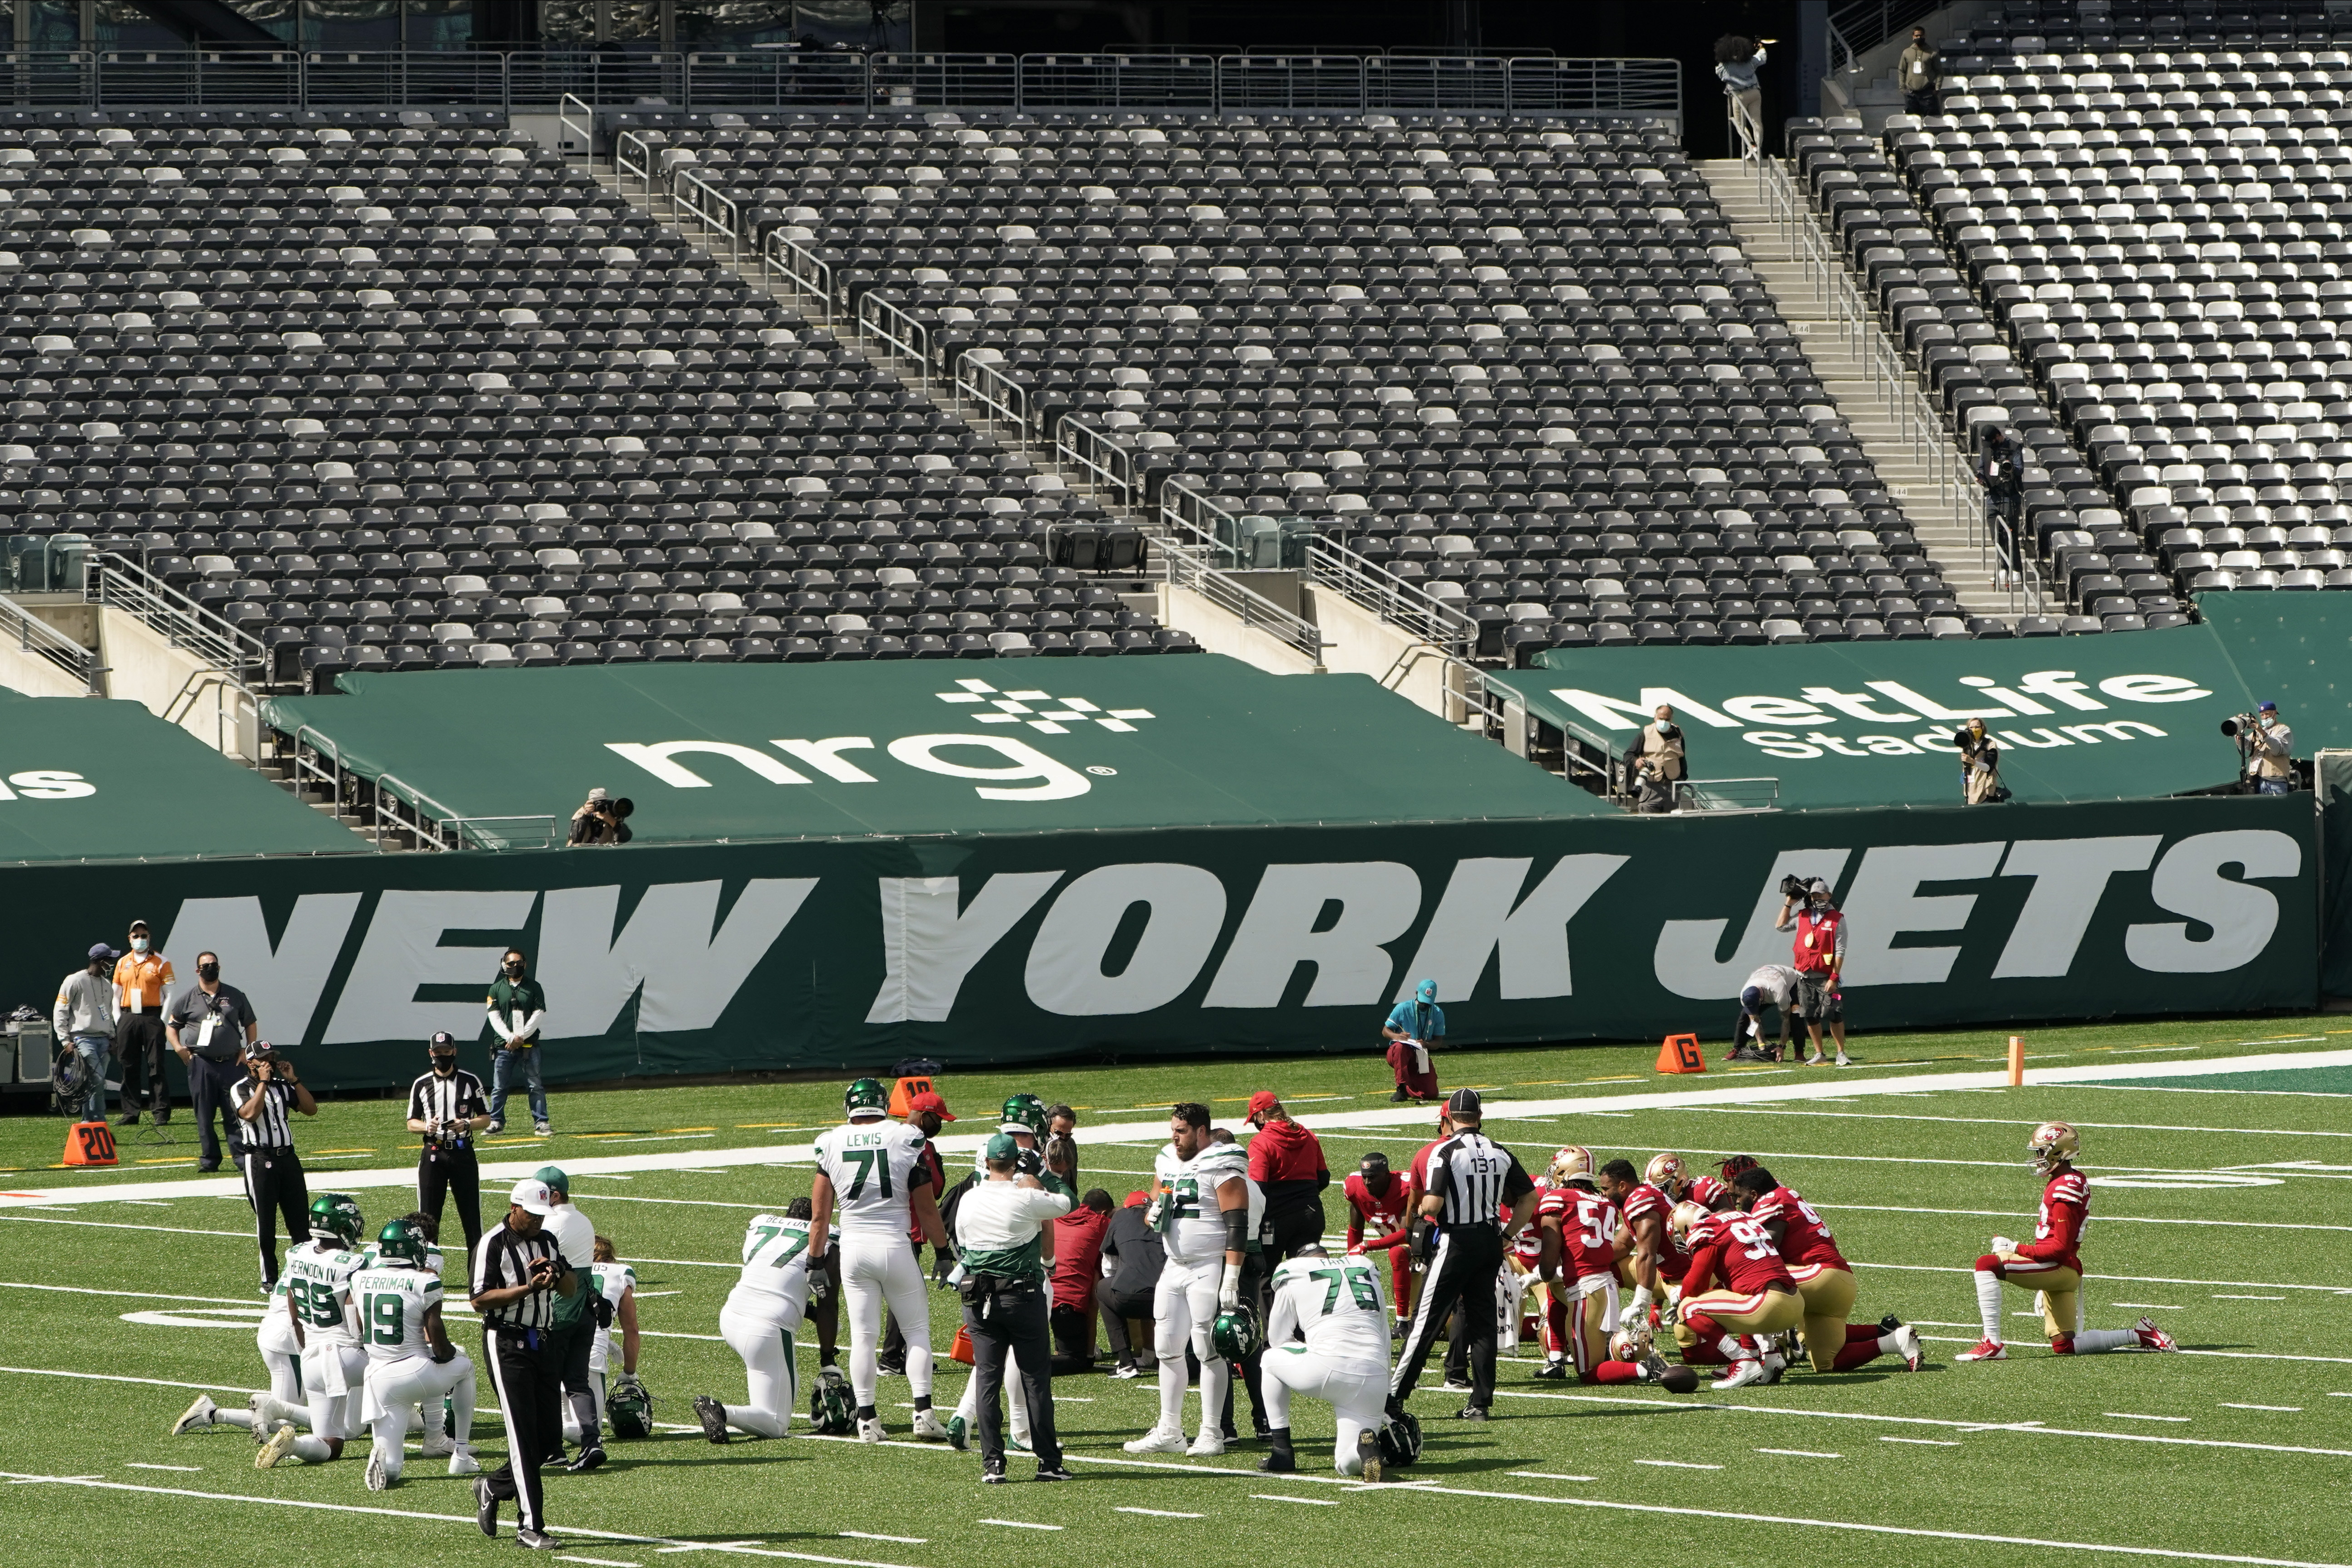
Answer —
(1979, 765)
(600, 819)
(447, 1106)
(1000, 1275)
(269, 1089)
(2265, 750)
(1654, 763)
(1820, 955)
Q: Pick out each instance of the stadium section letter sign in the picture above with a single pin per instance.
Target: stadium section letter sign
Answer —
(1001, 947)
(1871, 723)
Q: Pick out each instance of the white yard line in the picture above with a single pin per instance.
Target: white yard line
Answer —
(1160, 1513)
(1016, 1524)
(1674, 1464)
(2281, 1409)
(2105, 1217)
(2030, 1121)
(1277, 1497)
(894, 1539)
(1799, 1454)
(2115, 1279)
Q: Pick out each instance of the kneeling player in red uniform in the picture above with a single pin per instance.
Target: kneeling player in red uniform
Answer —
(1379, 1200)
(1581, 1244)
(1823, 1279)
(2052, 1263)
(1651, 1268)
(1756, 1300)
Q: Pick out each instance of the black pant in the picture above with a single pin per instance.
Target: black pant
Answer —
(525, 1372)
(1462, 1270)
(1073, 1341)
(208, 1086)
(442, 1171)
(571, 1346)
(1294, 1229)
(1118, 1306)
(1920, 100)
(1014, 1321)
(274, 1185)
(139, 1046)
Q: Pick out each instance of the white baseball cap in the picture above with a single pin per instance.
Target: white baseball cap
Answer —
(530, 1195)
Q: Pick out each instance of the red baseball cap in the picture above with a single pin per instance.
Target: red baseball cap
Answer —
(1136, 1200)
(1264, 1100)
(930, 1100)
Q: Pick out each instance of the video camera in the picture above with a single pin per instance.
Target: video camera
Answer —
(1792, 887)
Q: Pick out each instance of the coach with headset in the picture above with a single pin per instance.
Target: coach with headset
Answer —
(447, 1105)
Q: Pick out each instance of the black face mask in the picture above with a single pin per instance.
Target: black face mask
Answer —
(514, 971)
(446, 1067)
(208, 971)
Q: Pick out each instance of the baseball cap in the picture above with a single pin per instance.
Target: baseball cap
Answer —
(1427, 991)
(100, 949)
(137, 925)
(930, 1100)
(1264, 1100)
(2266, 707)
(530, 1195)
(555, 1179)
(1001, 1146)
(442, 1041)
(1136, 1200)
(1464, 1105)
(598, 794)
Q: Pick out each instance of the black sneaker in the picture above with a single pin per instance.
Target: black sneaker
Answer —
(1055, 1473)
(485, 1507)
(1551, 1372)
(1889, 1324)
(537, 1540)
(1471, 1413)
(992, 1475)
(713, 1416)
(128, 1119)
(1278, 1464)
(1399, 1098)
(590, 1458)
(891, 1368)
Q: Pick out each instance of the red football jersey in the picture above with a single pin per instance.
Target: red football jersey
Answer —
(1803, 1237)
(1735, 1251)
(1588, 1230)
(1377, 1219)
(2065, 1211)
(1646, 1199)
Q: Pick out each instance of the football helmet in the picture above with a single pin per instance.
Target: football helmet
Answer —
(1024, 1113)
(2052, 1142)
(866, 1094)
(402, 1239)
(1234, 1335)
(629, 1407)
(1686, 1218)
(1665, 1173)
(1630, 1343)
(1400, 1439)
(337, 1214)
(1573, 1163)
(832, 1409)
(1704, 1191)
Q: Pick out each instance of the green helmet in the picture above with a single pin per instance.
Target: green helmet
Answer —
(832, 1408)
(337, 1214)
(1024, 1113)
(402, 1239)
(1234, 1334)
(866, 1094)
(629, 1408)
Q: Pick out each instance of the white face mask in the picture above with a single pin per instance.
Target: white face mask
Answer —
(138, 944)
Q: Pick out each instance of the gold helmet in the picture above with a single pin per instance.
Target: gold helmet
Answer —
(1685, 1216)
(1630, 1343)
(1573, 1163)
(1665, 1173)
(2052, 1142)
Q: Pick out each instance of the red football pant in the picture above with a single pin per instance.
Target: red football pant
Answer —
(1861, 1345)
(1411, 1075)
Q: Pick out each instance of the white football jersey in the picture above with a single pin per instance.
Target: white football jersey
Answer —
(774, 1283)
(874, 1166)
(1337, 1303)
(1188, 1193)
(393, 1299)
(318, 1291)
(612, 1281)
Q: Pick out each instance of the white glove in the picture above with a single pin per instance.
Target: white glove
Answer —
(1642, 1299)
(1229, 1294)
(1151, 1212)
(2002, 1243)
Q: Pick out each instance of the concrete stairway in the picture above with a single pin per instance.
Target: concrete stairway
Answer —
(1938, 524)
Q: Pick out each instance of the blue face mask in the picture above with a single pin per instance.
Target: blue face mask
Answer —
(138, 944)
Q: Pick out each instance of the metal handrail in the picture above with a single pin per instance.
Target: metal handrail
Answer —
(1107, 464)
(1185, 566)
(466, 828)
(883, 322)
(183, 623)
(712, 207)
(808, 276)
(1002, 399)
(643, 168)
(585, 127)
(38, 637)
(221, 683)
(1747, 134)
(1719, 796)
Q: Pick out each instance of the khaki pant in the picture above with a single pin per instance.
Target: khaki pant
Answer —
(1765, 1312)
(2061, 1289)
(1828, 1295)
(1983, 784)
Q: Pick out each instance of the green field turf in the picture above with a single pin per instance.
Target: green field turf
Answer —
(2218, 1211)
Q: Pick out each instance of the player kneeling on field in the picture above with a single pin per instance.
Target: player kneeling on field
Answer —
(410, 1360)
(1742, 1322)
(1822, 1276)
(1581, 1244)
(763, 1313)
(2052, 1263)
(324, 1317)
(1327, 1338)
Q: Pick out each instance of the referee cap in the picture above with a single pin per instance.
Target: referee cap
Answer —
(443, 1044)
(530, 1194)
(1464, 1105)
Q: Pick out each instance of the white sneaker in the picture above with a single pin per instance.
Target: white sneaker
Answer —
(1156, 1442)
(1906, 1340)
(200, 1413)
(543, 1130)
(377, 1480)
(274, 1448)
(1743, 1372)
(263, 1422)
(929, 1427)
(463, 1463)
(869, 1429)
(1844, 1060)
(1774, 1365)
(1208, 1445)
(437, 1445)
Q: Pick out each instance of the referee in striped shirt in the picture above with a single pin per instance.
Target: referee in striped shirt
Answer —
(1473, 1182)
(517, 1270)
(447, 1106)
(262, 1100)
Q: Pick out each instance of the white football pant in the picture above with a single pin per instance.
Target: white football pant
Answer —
(1358, 1394)
(1184, 1311)
(333, 1384)
(767, 1351)
(875, 1269)
(395, 1388)
(571, 1417)
(968, 1407)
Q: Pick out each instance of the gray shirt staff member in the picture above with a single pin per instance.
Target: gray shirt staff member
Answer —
(1000, 1230)
(209, 1027)
(266, 1098)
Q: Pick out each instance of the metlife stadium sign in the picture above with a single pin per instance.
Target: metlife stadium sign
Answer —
(2076, 719)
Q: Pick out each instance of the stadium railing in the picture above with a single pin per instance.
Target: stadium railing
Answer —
(36, 636)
